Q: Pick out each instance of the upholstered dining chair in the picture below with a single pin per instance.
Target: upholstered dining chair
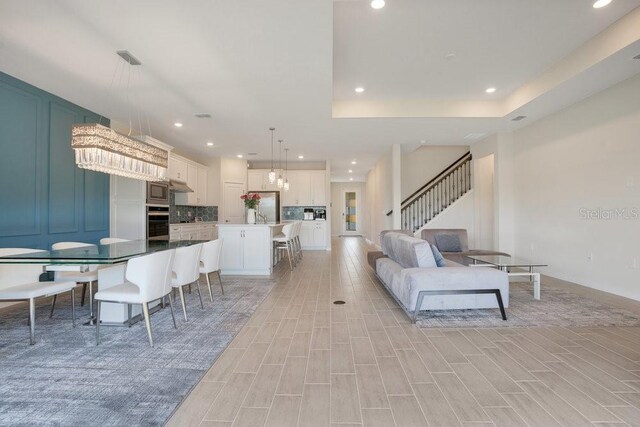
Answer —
(186, 270)
(147, 279)
(24, 285)
(210, 262)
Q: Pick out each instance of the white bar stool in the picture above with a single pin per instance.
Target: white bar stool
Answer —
(284, 241)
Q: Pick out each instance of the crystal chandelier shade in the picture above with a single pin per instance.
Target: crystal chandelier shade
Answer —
(272, 173)
(102, 149)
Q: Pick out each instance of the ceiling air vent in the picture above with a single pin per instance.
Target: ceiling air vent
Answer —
(252, 154)
(126, 55)
(203, 115)
(636, 57)
(473, 136)
(518, 118)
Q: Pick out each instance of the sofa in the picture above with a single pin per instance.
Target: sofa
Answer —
(448, 236)
(408, 269)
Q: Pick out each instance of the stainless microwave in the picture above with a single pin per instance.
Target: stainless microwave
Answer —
(157, 193)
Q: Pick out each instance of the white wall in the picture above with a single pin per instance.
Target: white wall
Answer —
(214, 187)
(459, 215)
(585, 157)
(379, 198)
(337, 205)
(425, 163)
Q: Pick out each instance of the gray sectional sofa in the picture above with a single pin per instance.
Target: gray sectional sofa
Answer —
(436, 236)
(409, 271)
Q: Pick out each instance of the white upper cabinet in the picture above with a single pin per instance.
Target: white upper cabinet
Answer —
(258, 180)
(196, 177)
(307, 188)
(177, 169)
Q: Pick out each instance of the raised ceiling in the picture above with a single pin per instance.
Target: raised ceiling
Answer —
(293, 64)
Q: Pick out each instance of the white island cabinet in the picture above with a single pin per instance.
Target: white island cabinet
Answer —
(247, 249)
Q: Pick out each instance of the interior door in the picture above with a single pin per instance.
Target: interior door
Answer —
(233, 205)
(350, 213)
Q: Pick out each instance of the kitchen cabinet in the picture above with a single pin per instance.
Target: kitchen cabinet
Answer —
(313, 235)
(258, 180)
(247, 249)
(195, 176)
(307, 188)
(192, 231)
(177, 168)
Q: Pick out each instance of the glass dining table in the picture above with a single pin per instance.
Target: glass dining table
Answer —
(110, 261)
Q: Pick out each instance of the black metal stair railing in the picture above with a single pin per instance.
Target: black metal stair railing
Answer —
(436, 195)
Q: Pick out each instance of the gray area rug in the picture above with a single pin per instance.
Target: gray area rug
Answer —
(64, 379)
(555, 308)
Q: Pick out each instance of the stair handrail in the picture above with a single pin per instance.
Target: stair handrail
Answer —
(434, 181)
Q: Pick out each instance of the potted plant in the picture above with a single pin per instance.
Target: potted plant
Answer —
(251, 202)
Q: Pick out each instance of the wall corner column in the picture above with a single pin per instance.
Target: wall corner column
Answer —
(396, 185)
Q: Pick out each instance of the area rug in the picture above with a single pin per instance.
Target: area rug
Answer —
(555, 308)
(65, 379)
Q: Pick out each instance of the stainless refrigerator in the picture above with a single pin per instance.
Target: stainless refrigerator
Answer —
(269, 205)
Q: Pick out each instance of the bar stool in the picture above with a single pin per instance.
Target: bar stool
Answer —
(284, 241)
(296, 239)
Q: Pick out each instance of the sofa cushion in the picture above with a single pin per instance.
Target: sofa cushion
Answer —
(408, 251)
(440, 261)
(448, 243)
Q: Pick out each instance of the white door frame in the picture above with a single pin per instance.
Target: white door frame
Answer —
(343, 230)
(224, 204)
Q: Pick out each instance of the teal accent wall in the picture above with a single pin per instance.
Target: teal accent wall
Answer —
(44, 197)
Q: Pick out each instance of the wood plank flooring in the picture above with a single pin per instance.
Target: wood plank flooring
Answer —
(303, 361)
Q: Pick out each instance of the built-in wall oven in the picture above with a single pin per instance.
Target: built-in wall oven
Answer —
(157, 193)
(158, 222)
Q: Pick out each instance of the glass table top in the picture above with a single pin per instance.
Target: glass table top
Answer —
(97, 254)
(503, 261)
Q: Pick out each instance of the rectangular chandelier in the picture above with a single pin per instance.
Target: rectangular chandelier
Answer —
(102, 149)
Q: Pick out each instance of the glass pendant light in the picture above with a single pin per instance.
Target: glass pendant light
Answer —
(280, 179)
(286, 170)
(272, 173)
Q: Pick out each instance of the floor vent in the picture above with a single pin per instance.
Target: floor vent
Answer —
(339, 302)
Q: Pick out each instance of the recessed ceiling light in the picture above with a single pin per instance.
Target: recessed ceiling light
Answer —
(600, 3)
(490, 89)
(239, 156)
(350, 171)
(424, 141)
(350, 179)
(359, 89)
(353, 162)
(377, 4)
(210, 144)
(450, 56)
(301, 157)
(178, 124)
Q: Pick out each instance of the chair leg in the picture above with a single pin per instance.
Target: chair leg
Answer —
(289, 256)
(199, 293)
(73, 306)
(220, 280)
(184, 306)
(53, 306)
(129, 314)
(98, 323)
(84, 292)
(90, 302)
(209, 286)
(173, 316)
(147, 321)
(189, 288)
(32, 321)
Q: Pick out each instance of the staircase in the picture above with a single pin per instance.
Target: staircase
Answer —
(436, 195)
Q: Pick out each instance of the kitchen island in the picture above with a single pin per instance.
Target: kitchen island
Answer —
(247, 249)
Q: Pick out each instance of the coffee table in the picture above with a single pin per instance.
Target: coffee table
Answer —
(506, 263)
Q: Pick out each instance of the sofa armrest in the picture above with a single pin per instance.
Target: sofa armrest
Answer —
(373, 256)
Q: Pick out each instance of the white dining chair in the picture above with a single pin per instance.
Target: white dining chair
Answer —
(210, 262)
(110, 240)
(24, 285)
(284, 241)
(82, 278)
(147, 279)
(186, 270)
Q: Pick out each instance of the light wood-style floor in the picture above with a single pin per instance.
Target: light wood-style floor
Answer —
(301, 360)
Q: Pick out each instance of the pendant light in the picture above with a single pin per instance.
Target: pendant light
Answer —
(280, 179)
(272, 173)
(286, 170)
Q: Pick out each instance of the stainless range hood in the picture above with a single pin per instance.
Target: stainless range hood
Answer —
(179, 187)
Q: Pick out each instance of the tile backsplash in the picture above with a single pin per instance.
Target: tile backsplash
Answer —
(296, 212)
(179, 213)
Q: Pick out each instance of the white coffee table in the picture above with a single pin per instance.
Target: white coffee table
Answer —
(506, 263)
